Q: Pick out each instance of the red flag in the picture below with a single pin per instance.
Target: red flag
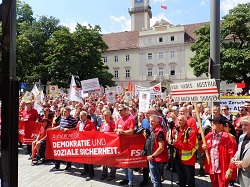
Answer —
(123, 88)
(130, 86)
(164, 7)
(241, 85)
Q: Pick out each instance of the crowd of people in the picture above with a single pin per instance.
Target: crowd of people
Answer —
(172, 132)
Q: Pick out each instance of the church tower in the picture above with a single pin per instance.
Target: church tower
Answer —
(140, 13)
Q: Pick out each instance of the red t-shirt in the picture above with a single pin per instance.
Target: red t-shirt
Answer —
(31, 115)
(43, 132)
(108, 128)
(125, 123)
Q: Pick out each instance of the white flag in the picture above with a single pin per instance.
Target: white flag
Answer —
(35, 90)
(74, 92)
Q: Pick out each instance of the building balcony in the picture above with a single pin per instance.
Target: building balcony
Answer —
(141, 9)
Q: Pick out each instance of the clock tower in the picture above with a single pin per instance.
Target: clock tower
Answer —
(140, 13)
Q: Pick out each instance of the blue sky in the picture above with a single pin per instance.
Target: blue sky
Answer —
(113, 16)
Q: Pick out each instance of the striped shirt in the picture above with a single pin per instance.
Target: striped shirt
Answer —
(69, 122)
(214, 153)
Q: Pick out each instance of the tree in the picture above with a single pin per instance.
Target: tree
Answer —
(78, 53)
(31, 38)
(234, 50)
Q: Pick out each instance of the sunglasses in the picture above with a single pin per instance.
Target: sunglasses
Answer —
(223, 109)
(120, 110)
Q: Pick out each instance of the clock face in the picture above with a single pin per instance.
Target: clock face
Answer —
(138, 1)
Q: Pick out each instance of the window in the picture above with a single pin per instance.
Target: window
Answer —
(172, 38)
(127, 73)
(172, 72)
(150, 72)
(150, 56)
(105, 59)
(172, 54)
(160, 55)
(160, 39)
(116, 74)
(116, 58)
(149, 40)
(161, 72)
(127, 58)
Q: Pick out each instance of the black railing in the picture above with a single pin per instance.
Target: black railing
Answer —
(140, 9)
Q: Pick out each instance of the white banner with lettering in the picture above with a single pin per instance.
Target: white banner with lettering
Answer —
(195, 91)
(90, 85)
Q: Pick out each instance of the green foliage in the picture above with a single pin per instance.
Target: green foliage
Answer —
(234, 46)
(50, 52)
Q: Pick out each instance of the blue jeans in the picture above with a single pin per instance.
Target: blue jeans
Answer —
(154, 168)
(129, 175)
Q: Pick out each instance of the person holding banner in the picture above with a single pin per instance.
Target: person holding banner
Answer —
(221, 151)
(40, 140)
(86, 124)
(67, 122)
(29, 114)
(125, 126)
(107, 126)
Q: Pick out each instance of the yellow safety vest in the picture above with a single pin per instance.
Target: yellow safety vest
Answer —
(186, 155)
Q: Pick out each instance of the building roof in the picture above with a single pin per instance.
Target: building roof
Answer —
(190, 36)
(130, 39)
(122, 40)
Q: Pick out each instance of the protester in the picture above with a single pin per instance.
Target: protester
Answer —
(221, 151)
(108, 126)
(156, 150)
(40, 140)
(86, 125)
(241, 158)
(186, 145)
(125, 126)
(67, 122)
(29, 114)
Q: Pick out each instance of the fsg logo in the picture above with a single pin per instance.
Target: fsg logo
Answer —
(136, 152)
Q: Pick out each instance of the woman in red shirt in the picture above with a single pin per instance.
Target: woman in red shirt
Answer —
(108, 125)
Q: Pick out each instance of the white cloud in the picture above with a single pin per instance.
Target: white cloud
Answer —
(117, 19)
(120, 22)
(72, 25)
(226, 5)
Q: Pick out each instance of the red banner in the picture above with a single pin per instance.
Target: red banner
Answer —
(89, 147)
(28, 131)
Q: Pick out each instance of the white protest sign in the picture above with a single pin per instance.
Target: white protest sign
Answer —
(90, 85)
(233, 102)
(119, 89)
(128, 96)
(195, 91)
(27, 96)
(111, 97)
(154, 90)
(53, 90)
(144, 101)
